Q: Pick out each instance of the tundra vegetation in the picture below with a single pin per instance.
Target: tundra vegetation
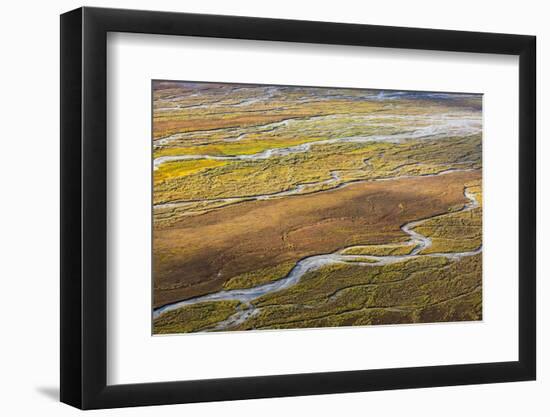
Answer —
(380, 190)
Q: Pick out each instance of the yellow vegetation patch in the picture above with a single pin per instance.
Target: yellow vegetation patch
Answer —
(379, 250)
(177, 169)
(420, 290)
(456, 232)
(260, 276)
(195, 317)
(234, 148)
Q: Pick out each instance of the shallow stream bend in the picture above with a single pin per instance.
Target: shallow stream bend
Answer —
(311, 263)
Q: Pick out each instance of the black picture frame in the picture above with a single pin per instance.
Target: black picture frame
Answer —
(84, 207)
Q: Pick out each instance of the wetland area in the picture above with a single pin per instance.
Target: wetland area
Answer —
(283, 207)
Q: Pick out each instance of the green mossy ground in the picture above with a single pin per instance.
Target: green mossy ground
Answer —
(455, 232)
(259, 276)
(379, 250)
(427, 289)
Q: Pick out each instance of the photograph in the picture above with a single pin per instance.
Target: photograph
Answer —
(242, 208)
(300, 207)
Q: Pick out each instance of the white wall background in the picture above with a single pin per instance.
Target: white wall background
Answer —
(29, 228)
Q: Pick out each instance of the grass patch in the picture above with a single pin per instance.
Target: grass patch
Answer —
(361, 260)
(177, 169)
(195, 317)
(248, 147)
(379, 250)
(420, 290)
(455, 232)
(259, 276)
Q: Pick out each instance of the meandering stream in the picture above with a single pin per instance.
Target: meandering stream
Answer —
(447, 127)
(311, 263)
(335, 182)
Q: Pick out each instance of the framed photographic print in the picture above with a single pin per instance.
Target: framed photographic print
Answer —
(257, 208)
